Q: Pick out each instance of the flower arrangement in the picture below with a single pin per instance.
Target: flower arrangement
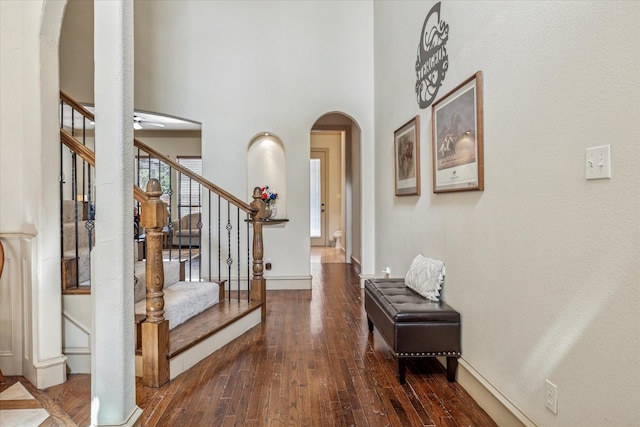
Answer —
(268, 195)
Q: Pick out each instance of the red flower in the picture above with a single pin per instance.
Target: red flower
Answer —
(268, 195)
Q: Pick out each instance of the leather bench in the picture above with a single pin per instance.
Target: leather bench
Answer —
(412, 326)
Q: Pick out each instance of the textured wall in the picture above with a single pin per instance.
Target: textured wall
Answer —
(543, 265)
(240, 74)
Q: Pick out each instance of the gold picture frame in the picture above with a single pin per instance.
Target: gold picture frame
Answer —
(406, 149)
(458, 138)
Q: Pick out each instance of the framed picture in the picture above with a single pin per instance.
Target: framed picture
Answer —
(457, 141)
(406, 148)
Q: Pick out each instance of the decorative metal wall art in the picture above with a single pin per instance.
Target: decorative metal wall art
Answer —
(432, 62)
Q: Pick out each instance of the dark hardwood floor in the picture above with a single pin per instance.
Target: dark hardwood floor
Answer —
(313, 364)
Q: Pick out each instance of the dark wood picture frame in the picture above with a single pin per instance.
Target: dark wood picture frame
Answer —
(458, 138)
(406, 157)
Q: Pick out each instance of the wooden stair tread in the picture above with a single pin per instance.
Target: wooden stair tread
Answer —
(80, 290)
(207, 323)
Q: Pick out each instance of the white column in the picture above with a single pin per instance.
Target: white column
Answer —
(113, 388)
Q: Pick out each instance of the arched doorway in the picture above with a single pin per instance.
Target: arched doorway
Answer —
(335, 217)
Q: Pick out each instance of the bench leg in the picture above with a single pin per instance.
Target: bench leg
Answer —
(452, 366)
(370, 324)
(402, 370)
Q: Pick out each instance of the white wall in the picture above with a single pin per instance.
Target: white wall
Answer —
(543, 265)
(172, 143)
(76, 51)
(240, 75)
(29, 143)
(241, 68)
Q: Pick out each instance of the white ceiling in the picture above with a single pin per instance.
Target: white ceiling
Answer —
(145, 121)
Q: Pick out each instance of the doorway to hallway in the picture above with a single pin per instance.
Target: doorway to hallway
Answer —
(339, 135)
(325, 255)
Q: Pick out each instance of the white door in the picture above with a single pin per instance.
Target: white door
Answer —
(317, 192)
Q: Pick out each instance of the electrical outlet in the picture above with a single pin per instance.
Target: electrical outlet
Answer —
(387, 272)
(551, 396)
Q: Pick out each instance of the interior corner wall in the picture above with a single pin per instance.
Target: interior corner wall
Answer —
(542, 264)
(353, 190)
(76, 51)
(242, 75)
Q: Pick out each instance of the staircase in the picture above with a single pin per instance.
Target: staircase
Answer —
(178, 322)
(182, 299)
(77, 237)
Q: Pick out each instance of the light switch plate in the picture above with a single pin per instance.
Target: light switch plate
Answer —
(598, 162)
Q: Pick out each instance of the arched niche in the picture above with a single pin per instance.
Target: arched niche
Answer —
(267, 165)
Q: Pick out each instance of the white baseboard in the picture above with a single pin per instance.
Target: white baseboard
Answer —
(47, 373)
(355, 260)
(499, 408)
(281, 283)
(79, 362)
(274, 283)
(365, 277)
(134, 420)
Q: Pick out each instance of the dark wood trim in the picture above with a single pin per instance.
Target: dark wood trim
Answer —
(202, 326)
(88, 156)
(80, 290)
(77, 147)
(77, 106)
(69, 273)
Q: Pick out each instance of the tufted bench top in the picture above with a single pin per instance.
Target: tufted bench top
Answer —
(402, 304)
(413, 326)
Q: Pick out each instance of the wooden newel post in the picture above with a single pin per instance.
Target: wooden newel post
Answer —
(155, 329)
(258, 283)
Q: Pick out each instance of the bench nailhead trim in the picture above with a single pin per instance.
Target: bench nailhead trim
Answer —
(440, 353)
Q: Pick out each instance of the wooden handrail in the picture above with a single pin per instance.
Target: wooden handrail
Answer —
(88, 156)
(202, 181)
(139, 194)
(78, 107)
(77, 147)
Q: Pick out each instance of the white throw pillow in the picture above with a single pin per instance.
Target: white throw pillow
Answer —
(426, 276)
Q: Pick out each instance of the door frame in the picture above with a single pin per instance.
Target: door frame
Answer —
(323, 240)
(347, 220)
